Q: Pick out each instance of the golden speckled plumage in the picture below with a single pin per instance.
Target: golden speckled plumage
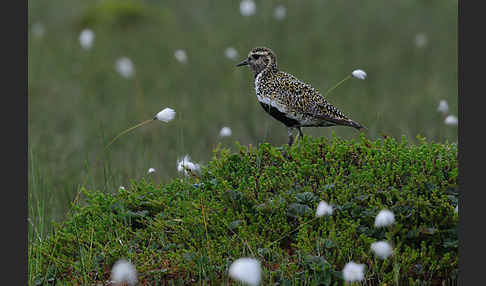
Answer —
(289, 100)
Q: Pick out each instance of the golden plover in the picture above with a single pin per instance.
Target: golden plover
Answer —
(289, 100)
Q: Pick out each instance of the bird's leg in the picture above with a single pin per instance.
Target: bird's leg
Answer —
(301, 134)
(291, 136)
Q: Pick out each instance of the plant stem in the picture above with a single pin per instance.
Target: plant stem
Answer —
(337, 85)
(294, 230)
(205, 227)
(128, 130)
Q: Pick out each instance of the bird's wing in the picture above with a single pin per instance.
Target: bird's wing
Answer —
(305, 99)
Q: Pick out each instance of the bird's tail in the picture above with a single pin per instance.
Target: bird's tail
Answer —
(356, 125)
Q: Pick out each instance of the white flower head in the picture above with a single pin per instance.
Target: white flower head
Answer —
(124, 66)
(38, 30)
(121, 188)
(280, 12)
(247, 7)
(86, 39)
(181, 56)
(451, 120)
(360, 74)
(150, 171)
(225, 132)
(353, 272)
(124, 272)
(231, 53)
(165, 115)
(443, 106)
(384, 218)
(246, 270)
(323, 209)
(185, 163)
(420, 40)
(382, 249)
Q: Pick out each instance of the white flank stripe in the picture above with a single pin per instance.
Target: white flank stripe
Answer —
(257, 82)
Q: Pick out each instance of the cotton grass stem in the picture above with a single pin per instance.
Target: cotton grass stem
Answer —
(292, 231)
(128, 130)
(337, 85)
(245, 242)
(205, 227)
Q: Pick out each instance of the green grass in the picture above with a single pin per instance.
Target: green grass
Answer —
(77, 102)
(259, 203)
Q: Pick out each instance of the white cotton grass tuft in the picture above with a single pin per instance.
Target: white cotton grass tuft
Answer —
(246, 270)
(185, 163)
(167, 114)
(443, 106)
(382, 249)
(359, 74)
(121, 188)
(451, 120)
(225, 132)
(247, 7)
(124, 272)
(231, 53)
(86, 39)
(151, 170)
(420, 40)
(124, 66)
(181, 56)
(323, 209)
(384, 218)
(353, 272)
(280, 12)
(38, 30)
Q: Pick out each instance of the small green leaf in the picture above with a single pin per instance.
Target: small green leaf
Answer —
(296, 210)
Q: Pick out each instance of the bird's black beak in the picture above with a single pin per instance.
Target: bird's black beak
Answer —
(243, 63)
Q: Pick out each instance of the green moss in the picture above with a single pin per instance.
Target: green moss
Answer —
(260, 203)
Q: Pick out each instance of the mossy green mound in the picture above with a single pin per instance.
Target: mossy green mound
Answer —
(260, 203)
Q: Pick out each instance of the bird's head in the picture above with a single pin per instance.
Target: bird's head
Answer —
(260, 58)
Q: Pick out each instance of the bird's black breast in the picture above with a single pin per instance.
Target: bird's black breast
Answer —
(280, 116)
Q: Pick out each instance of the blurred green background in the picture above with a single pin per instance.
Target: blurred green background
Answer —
(77, 101)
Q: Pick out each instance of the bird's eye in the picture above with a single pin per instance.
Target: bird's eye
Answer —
(255, 57)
